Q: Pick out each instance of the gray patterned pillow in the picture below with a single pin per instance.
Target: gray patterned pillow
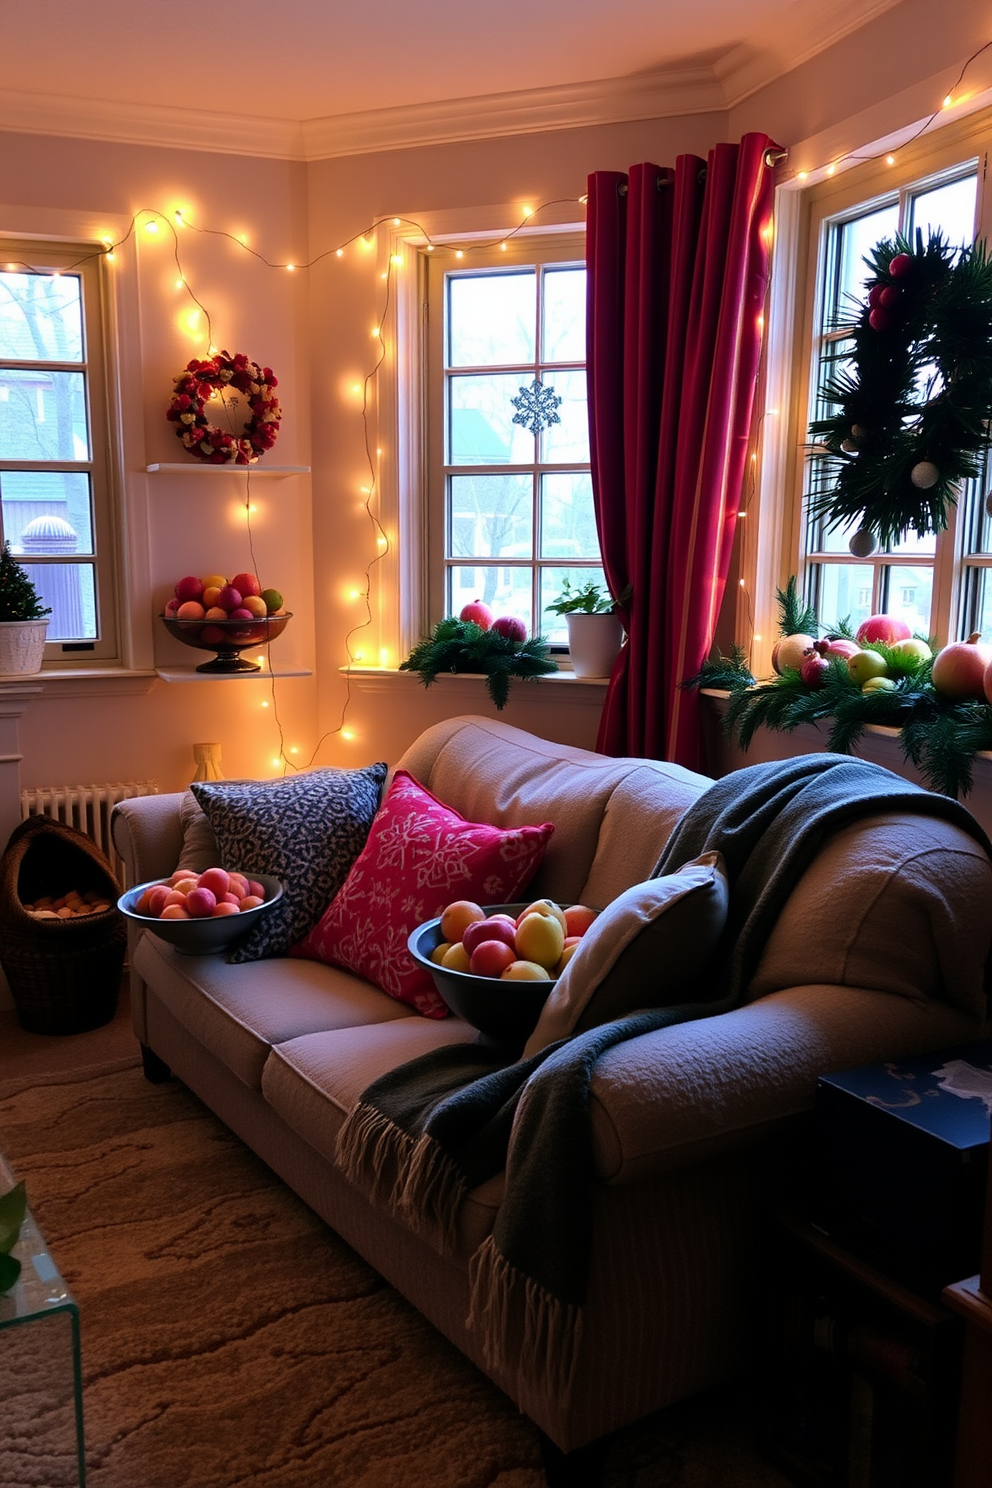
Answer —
(306, 829)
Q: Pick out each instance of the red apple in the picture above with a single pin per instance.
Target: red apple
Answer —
(478, 612)
(578, 918)
(959, 669)
(491, 958)
(229, 598)
(171, 606)
(815, 670)
(189, 588)
(246, 583)
(481, 930)
(200, 904)
(884, 628)
(510, 627)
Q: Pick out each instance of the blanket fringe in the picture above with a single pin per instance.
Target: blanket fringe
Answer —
(429, 1194)
(372, 1152)
(546, 1356)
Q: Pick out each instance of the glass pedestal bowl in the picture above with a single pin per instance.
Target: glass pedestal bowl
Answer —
(227, 639)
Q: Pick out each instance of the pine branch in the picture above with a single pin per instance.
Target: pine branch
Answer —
(795, 618)
(462, 646)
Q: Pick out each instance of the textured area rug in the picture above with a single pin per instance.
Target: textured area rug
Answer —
(230, 1338)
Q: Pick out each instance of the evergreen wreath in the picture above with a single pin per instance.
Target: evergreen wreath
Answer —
(223, 373)
(913, 396)
(463, 646)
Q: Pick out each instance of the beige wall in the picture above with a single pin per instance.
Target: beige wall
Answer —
(313, 328)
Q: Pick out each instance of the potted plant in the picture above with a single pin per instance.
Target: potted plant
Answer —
(595, 634)
(23, 620)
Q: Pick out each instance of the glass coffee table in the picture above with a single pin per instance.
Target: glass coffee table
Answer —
(41, 1398)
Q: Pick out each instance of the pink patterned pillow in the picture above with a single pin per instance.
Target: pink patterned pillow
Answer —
(420, 856)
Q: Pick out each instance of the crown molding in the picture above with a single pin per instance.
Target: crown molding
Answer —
(150, 124)
(747, 68)
(649, 95)
(703, 85)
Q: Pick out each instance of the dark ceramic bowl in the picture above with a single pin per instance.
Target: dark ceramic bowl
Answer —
(201, 937)
(504, 1012)
(227, 638)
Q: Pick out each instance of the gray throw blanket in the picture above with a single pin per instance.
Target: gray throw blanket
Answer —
(428, 1132)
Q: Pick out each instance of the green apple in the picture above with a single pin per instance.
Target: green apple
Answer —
(878, 684)
(910, 653)
(866, 664)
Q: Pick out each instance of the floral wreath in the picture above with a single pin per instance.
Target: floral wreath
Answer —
(913, 394)
(221, 373)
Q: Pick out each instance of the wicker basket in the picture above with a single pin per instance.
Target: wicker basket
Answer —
(64, 974)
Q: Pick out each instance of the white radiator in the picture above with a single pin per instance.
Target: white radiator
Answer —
(87, 808)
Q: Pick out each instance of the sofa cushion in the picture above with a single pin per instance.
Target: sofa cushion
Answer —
(420, 856)
(312, 1082)
(648, 948)
(200, 848)
(239, 1012)
(307, 829)
(890, 903)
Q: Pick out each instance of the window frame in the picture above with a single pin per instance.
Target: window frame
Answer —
(403, 607)
(118, 424)
(772, 548)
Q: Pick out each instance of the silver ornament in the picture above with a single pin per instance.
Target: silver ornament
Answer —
(988, 504)
(863, 543)
(924, 475)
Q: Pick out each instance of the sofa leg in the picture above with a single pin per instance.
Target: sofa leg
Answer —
(579, 1469)
(156, 1070)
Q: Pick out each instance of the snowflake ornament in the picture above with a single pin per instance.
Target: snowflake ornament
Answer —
(536, 407)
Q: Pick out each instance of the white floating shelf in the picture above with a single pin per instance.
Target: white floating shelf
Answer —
(279, 471)
(190, 674)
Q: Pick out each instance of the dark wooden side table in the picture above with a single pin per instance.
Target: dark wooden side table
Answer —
(972, 1299)
(861, 1376)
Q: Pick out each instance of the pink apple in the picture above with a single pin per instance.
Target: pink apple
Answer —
(491, 958)
(189, 588)
(240, 613)
(815, 670)
(478, 612)
(510, 627)
(229, 598)
(171, 606)
(200, 904)
(959, 669)
(884, 628)
(246, 583)
(217, 880)
(482, 930)
(836, 646)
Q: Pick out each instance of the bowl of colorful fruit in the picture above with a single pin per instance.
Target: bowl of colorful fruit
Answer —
(495, 966)
(201, 913)
(225, 616)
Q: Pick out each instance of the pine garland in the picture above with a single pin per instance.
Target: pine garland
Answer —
(462, 646)
(913, 396)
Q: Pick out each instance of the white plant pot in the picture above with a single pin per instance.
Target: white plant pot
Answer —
(594, 643)
(22, 646)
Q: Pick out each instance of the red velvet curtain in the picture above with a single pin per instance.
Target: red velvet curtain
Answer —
(678, 264)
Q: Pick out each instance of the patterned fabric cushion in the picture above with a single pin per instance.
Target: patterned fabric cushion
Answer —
(306, 829)
(420, 856)
(649, 948)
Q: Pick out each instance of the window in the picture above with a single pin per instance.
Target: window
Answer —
(939, 585)
(56, 507)
(511, 512)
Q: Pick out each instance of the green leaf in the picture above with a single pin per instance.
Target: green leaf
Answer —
(13, 1208)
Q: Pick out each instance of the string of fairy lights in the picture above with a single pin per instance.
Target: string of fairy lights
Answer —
(152, 220)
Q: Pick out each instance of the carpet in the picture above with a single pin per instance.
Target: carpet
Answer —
(230, 1338)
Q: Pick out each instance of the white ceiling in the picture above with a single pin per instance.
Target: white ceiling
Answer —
(293, 62)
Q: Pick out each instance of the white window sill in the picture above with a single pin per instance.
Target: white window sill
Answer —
(562, 684)
(88, 681)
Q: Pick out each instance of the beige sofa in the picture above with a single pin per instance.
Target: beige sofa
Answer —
(880, 951)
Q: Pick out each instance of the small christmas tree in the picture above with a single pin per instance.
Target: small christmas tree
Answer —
(18, 596)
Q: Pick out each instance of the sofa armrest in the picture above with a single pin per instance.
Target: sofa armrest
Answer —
(680, 1095)
(148, 833)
